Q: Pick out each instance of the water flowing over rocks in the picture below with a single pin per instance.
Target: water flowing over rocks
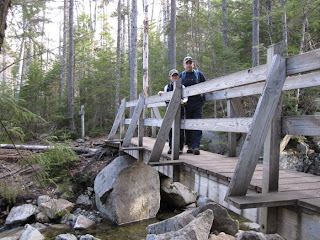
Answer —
(127, 190)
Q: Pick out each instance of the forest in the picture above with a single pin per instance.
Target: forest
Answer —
(100, 54)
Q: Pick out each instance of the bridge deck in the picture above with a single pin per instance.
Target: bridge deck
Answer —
(302, 186)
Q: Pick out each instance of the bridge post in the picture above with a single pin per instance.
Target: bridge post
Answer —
(271, 156)
(176, 126)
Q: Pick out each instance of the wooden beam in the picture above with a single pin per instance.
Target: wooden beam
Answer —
(259, 128)
(304, 62)
(271, 156)
(165, 127)
(274, 199)
(301, 125)
(117, 120)
(232, 138)
(294, 82)
(238, 125)
(176, 125)
(135, 118)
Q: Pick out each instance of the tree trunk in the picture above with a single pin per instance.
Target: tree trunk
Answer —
(172, 42)
(255, 33)
(20, 67)
(224, 23)
(133, 53)
(4, 5)
(64, 51)
(284, 27)
(70, 72)
(146, 50)
(269, 20)
(4, 66)
(118, 57)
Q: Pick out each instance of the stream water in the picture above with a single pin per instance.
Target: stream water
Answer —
(107, 230)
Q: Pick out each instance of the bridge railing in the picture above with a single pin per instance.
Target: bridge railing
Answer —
(264, 129)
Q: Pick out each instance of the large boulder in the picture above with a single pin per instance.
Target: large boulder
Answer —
(21, 214)
(127, 191)
(176, 194)
(197, 229)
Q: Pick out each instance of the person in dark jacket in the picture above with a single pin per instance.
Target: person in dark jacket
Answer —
(174, 76)
(195, 103)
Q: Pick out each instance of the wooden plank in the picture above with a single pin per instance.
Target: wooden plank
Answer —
(135, 118)
(166, 125)
(244, 77)
(292, 82)
(218, 124)
(132, 148)
(232, 138)
(165, 163)
(260, 125)
(271, 156)
(273, 199)
(155, 114)
(176, 125)
(301, 125)
(304, 62)
(117, 120)
(311, 204)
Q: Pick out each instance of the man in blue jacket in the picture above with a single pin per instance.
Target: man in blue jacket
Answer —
(194, 105)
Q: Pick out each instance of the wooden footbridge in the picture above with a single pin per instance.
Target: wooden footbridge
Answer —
(282, 201)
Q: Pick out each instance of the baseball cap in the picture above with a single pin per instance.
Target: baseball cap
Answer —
(186, 59)
(173, 71)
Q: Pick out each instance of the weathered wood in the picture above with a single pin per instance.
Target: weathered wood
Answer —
(232, 138)
(165, 127)
(301, 125)
(155, 114)
(271, 156)
(294, 82)
(176, 125)
(284, 142)
(273, 199)
(248, 76)
(238, 125)
(41, 147)
(132, 148)
(135, 118)
(304, 62)
(117, 119)
(260, 124)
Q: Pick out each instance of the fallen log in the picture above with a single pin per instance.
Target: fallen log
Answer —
(41, 147)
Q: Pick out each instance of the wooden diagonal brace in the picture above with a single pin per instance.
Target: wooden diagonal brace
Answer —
(166, 126)
(117, 120)
(135, 118)
(259, 128)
